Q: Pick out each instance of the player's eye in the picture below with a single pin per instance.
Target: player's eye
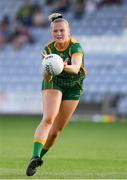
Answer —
(62, 30)
(55, 31)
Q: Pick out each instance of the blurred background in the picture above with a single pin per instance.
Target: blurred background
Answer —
(100, 26)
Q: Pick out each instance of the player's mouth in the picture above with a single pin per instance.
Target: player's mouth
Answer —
(59, 38)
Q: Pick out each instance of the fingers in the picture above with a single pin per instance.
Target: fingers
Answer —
(66, 62)
(43, 55)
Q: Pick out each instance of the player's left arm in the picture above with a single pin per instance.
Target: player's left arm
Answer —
(76, 62)
(76, 52)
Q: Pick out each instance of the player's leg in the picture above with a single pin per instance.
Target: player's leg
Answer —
(51, 104)
(66, 111)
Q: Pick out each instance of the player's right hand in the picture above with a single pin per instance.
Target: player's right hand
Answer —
(43, 55)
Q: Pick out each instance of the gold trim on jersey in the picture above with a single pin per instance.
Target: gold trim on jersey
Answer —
(74, 40)
(50, 42)
(66, 44)
(49, 49)
(71, 40)
(77, 53)
(48, 46)
(84, 69)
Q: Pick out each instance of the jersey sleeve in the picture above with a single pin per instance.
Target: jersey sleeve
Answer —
(76, 48)
(46, 50)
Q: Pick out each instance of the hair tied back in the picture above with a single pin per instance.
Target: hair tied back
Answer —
(55, 16)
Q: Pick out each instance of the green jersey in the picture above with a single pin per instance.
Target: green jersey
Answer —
(67, 79)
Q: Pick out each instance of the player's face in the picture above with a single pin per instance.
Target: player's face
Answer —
(60, 32)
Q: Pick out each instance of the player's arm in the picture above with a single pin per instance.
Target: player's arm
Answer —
(76, 62)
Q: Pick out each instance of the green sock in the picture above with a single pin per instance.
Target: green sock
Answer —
(37, 147)
(43, 152)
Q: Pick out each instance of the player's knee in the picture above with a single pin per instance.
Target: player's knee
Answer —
(49, 120)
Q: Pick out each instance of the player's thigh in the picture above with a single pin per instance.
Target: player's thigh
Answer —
(51, 102)
(66, 111)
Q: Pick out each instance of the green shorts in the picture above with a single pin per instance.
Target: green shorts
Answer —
(69, 93)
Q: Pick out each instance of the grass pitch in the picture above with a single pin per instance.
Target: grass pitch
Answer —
(85, 150)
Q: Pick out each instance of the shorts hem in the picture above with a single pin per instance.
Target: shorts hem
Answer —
(71, 99)
(52, 89)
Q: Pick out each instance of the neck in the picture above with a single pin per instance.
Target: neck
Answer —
(63, 45)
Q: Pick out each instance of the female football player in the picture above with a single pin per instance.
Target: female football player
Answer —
(61, 93)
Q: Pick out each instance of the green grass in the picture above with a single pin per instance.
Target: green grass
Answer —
(85, 150)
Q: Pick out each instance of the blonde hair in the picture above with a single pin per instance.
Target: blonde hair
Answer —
(57, 17)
